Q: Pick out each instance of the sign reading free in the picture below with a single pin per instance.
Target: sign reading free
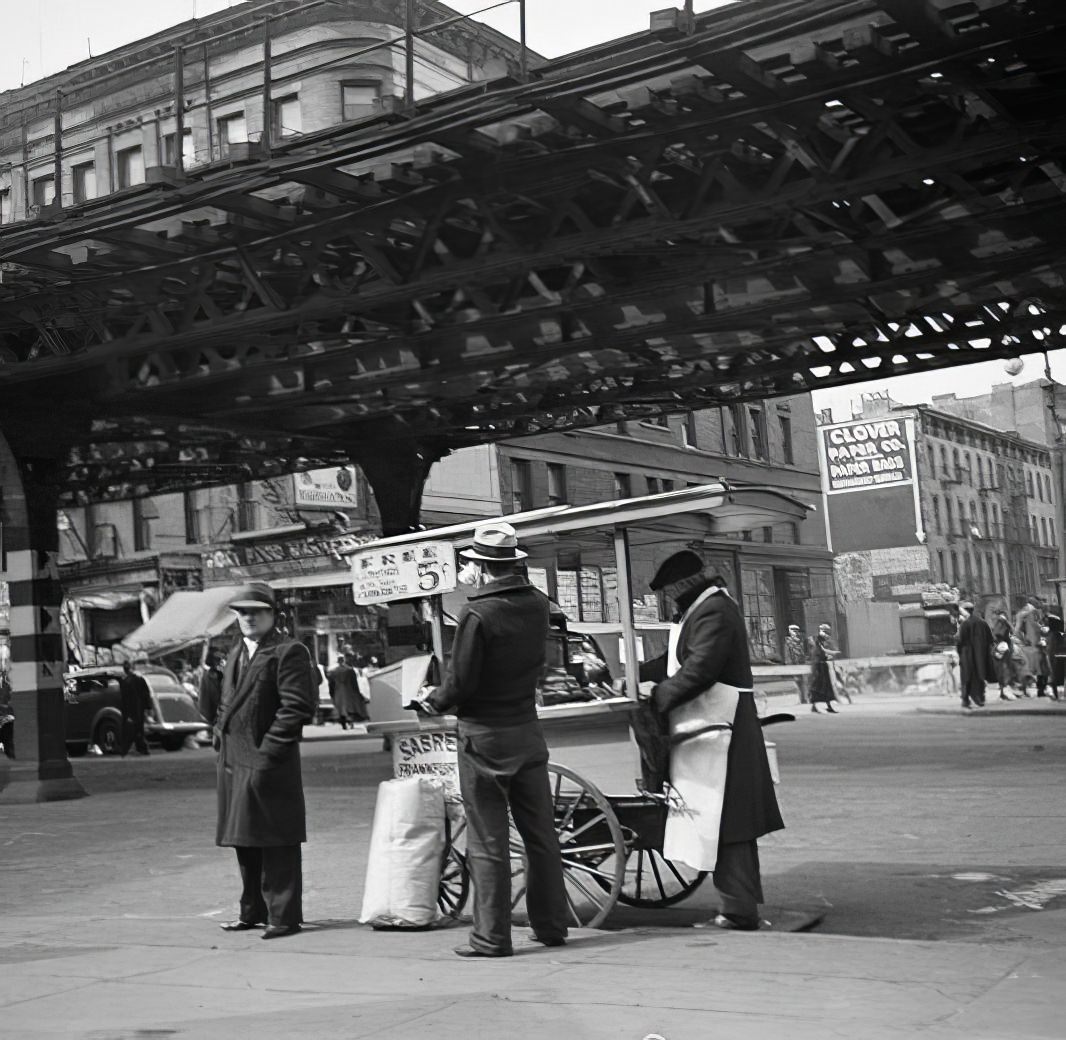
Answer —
(403, 572)
(866, 454)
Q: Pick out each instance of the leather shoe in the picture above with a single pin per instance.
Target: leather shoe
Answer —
(547, 940)
(469, 951)
(279, 931)
(732, 924)
(240, 926)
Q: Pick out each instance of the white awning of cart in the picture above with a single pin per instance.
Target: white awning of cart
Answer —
(183, 619)
(719, 510)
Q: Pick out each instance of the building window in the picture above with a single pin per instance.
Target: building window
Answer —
(757, 433)
(954, 567)
(1029, 484)
(667, 484)
(623, 486)
(129, 164)
(949, 523)
(760, 612)
(936, 514)
(144, 512)
(44, 191)
(359, 99)
(231, 130)
(556, 484)
(732, 430)
(787, 451)
(941, 576)
(1033, 531)
(288, 121)
(653, 485)
(247, 513)
(170, 152)
(1044, 530)
(1047, 489)
(192, 518)
(521, 485)
(84, 181)
(5, 206)
(688, 431)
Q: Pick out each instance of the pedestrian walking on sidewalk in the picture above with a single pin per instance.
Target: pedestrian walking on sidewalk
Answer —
(136, 701)
(1055, 649)
(822, 654)
(267, 697)
(976, 667)
(796, 653)
(344, 692)
(718, 765)
(497, 657)
(211, 687)
(1027, 624)
(1003, 655)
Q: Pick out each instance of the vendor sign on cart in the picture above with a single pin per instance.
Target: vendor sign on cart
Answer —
(403, 572)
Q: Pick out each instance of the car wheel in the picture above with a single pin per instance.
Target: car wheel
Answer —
(108, 737)
(172, 743)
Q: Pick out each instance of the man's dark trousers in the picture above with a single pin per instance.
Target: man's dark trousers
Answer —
(271, 884)
(501, 765)
(133, 735)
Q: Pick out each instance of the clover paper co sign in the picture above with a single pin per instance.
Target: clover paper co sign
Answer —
(403, 572)
(333, 488)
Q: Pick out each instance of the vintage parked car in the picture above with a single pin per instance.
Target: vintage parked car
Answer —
(94, 710)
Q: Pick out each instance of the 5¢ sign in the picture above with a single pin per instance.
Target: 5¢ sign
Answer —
(403, 572)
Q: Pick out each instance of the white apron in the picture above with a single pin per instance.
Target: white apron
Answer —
(698, 766)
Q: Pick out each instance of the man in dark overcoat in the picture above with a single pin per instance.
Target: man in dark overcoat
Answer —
(1056, 649)
(136, 699)
(722, 775)
(344, 692)
(267, 696)
(497, 658)
(976, 666)
(210, 694)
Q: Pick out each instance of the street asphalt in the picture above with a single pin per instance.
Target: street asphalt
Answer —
(931, 839)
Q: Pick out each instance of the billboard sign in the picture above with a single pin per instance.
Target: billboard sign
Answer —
(333, 488)
(865, 454)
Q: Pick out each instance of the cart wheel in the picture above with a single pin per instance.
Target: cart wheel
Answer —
(592, 846)
(650, 881)
(454, 886)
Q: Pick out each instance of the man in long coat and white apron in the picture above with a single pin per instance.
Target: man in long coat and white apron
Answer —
(267, 696)
(719, 768)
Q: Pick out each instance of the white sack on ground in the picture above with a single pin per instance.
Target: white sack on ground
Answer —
(406, 847)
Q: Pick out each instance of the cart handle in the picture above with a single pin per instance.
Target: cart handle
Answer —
(772, 720)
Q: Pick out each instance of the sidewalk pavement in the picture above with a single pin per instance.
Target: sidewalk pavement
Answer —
(164, 975)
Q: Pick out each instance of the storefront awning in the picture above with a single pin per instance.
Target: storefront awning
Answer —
(106, 600)
(185, 618)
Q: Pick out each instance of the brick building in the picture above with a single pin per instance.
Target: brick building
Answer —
(117, 116)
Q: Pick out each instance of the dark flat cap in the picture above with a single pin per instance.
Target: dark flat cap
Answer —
(684, 564)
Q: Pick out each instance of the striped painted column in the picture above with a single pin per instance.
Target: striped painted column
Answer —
(41, 771)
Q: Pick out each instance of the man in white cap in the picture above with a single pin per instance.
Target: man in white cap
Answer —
(267, 696)
(497, 658)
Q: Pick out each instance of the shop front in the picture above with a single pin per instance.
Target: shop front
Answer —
(105, 600)
(313, 586)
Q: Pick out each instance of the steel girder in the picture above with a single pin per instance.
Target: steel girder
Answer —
(799, 194)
